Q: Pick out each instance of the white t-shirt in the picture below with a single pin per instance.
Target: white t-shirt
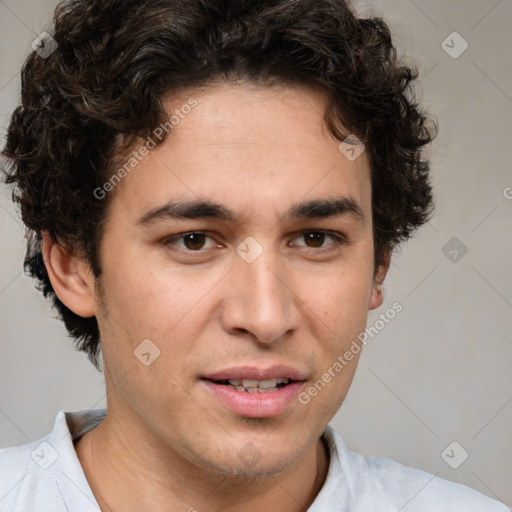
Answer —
(46, 476)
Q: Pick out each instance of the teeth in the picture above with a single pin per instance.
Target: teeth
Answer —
(248, 383)
(265, 384)
(252, 386)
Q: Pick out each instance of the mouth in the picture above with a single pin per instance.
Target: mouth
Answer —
(255, 393)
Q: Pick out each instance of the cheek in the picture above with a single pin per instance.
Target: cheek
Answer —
(339, 301)
(149, 298)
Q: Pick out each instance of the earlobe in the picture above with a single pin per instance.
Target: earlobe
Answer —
(377, 296)
(70, 276)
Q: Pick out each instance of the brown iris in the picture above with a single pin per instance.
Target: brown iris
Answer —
(317, 238)
(194, 241)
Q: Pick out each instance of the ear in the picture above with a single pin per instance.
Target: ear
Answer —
(71, 277)
(377, 296)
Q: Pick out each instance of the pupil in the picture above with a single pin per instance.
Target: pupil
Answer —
(316, 238)
(194, 241)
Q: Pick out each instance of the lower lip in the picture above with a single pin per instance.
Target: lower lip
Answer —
(255, 405)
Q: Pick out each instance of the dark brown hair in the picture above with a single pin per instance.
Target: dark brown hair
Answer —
(115, 60)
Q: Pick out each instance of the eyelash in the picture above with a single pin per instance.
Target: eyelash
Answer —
(339, 239)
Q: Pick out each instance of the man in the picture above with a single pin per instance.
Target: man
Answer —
(213, 191)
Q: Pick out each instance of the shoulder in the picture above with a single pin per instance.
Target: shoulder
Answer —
(24, 473)
(405, 488)
(413, 489)
(46, 475)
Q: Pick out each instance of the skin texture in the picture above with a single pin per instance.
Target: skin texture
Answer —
(167, 443)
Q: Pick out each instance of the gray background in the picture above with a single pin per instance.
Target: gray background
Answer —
(440, 371)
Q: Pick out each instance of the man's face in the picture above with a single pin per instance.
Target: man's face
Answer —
(270, 287)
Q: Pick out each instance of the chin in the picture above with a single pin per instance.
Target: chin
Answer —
(260, 469)
(256, 460)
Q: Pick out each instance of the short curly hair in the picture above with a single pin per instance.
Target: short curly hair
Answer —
(116, 59)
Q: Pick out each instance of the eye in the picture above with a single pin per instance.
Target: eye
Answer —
(192, 241)
(196, 241)
(316, 239)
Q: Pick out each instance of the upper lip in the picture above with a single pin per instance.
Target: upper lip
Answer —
(255, 373)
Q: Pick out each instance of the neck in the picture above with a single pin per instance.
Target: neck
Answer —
(128, 471)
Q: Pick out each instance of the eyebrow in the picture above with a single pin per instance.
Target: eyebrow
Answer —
(203, 209)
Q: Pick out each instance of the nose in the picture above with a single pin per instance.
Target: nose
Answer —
(260, 299)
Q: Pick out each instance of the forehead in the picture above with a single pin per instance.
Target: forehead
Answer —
(247, 146)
